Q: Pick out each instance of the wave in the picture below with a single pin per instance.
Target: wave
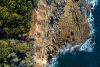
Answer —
(87, 46)
(53, 62)
(92, 2)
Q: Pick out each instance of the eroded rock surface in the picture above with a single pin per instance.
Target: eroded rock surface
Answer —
(73, 24)
(55, 22)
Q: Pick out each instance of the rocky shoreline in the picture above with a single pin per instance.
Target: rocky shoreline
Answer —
(54, 23)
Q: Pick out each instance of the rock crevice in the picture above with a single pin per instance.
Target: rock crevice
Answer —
(55, 22)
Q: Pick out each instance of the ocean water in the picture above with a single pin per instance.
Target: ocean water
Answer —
(89, 54)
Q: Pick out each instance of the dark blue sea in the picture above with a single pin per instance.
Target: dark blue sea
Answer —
(85, 59)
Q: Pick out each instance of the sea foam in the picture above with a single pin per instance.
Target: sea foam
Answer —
(89, 44)
(53, 62)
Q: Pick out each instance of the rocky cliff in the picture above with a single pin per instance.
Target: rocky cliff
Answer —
(55, 22)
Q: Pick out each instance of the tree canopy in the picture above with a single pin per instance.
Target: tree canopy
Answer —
(15, 17)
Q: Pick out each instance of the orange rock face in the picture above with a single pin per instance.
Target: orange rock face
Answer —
(62, 21)
(73, 25)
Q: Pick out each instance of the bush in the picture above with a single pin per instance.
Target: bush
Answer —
(15, 17)
(23, 48)
(4, 49)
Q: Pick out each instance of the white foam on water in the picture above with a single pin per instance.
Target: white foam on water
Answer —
(53, 62)
(68, 48)
(92, 2)
(64, 49)
(88, 45)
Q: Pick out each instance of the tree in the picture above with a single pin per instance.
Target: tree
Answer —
(22, 48)
(15, 17)
(4, 49)
(26, 62)
(10, 51)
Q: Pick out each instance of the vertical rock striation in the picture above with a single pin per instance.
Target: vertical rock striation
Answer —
(55, 22)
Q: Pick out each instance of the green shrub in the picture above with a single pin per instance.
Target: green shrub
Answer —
(15, 17)
(23, 48)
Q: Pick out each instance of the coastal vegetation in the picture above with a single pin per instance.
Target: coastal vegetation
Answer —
(15, 19)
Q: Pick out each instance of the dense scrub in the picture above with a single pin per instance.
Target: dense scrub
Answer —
(15, 16)
(14, 53)
(15, 19)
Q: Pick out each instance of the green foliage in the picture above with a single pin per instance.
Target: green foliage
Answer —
(15, 16)
(9, 46)
(6, 65)
(12, 59)
(23, 48)
(15, 19)
(10, 51)
(56, 1)
(26, 62)
(4, 48)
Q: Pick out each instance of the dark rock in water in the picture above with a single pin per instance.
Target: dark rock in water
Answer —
(49, 58)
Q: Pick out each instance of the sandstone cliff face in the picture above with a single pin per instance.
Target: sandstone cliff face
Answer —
(73, 24)
(55, 22)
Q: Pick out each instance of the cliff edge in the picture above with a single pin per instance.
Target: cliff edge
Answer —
(55, 22)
